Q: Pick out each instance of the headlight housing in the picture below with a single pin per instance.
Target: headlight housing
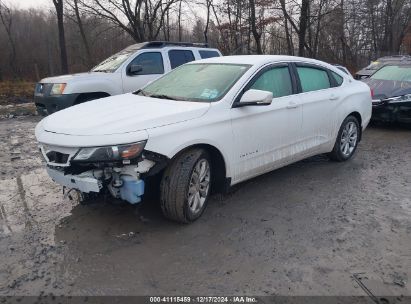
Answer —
(398, 99)
(58, 88)
(110, 153)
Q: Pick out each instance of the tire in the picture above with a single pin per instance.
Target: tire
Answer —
(347, 140)
(182, 197)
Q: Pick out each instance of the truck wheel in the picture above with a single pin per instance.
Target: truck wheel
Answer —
(185, 186)
(347, 140)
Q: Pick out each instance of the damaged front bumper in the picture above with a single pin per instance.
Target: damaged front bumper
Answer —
(121, 181)
(127, 187)
(391, 111)
(83, 182)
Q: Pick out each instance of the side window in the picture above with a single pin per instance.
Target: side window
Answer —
(179, 57)
(313, 79)
(208, 54)
(276, 80)
(338, 79)
(150, 63)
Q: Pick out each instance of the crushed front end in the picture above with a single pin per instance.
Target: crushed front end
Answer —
(118, 170)
(394, 109)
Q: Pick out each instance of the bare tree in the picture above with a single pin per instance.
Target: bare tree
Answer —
(304, 21)
(7, 21)
(141, 19)
(209, 3)
(253, 22)
(350, 32)
(59, 5)
(180, 29)
(75, 7)
(288, 37)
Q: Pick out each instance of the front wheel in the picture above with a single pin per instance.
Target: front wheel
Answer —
(347, 140)
(185, 186)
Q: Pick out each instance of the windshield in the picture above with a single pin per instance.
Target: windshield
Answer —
(112, 63)
(205, 82)
(394, 72)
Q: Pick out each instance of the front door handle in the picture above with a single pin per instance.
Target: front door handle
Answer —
(292, 105)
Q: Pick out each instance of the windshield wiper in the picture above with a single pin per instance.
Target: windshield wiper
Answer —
(161, 96)
(103, 71)
(139, 92)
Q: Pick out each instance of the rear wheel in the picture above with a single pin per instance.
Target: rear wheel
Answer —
(347, 140)
(185, 186)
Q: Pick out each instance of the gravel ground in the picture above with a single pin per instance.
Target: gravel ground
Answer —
(305, 229)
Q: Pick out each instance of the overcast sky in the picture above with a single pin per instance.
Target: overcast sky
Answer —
(29, 3)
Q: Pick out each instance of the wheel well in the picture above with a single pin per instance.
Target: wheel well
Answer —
(217, 164)
(83, 97)
(358, 116)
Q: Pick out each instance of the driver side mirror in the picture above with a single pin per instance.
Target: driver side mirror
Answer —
(256, 97)
(135, 69)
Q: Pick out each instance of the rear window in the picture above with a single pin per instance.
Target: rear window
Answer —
(209, 54)
(179, 57)
(338, 79)
(313, 79)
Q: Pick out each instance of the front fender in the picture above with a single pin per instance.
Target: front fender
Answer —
(109, 86)
(172, 139)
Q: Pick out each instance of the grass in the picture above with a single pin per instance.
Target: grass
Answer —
(17, 110)
(16, 92)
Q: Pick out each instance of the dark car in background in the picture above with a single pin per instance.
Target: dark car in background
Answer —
(379, 63)
(391, 87)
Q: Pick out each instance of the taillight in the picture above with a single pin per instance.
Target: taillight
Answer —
(372, 93)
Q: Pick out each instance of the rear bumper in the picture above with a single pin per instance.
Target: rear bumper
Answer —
(392, 112)
(49, 104)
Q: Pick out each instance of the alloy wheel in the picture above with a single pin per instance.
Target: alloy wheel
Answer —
(349, 137)
(199, 186)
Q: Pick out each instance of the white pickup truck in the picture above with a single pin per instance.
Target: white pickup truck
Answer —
(124, 72)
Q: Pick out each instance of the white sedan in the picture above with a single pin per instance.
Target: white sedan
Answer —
(205, 126)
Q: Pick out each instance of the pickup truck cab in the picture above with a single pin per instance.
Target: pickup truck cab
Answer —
(124, 72)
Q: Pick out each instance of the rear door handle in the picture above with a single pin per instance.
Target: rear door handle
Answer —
(292, 105)
(333, 97)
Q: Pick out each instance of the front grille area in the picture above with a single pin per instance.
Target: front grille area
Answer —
(57, 157)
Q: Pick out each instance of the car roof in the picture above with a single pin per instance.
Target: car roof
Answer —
(260, 60)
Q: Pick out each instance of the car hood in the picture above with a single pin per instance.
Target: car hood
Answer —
(388, 88)
(121, 114)
(74, 77)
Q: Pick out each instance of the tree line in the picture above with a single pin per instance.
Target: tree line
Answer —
(74, 35)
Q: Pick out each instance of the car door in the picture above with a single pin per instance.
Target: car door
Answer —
(264, 136)
(319, 98)
(152, 67)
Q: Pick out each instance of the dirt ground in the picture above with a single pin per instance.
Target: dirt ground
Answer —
(305, 229)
